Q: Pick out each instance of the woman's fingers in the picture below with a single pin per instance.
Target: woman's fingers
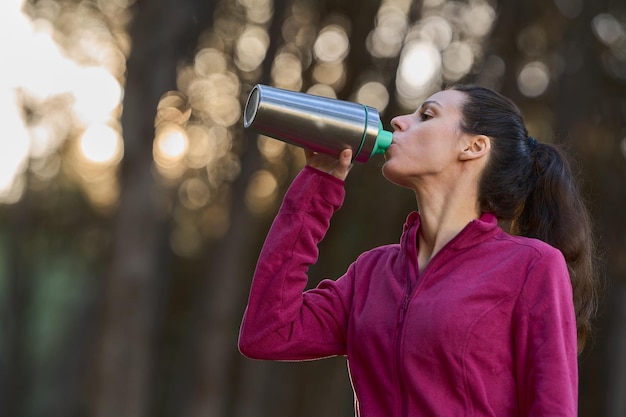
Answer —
(337, 166)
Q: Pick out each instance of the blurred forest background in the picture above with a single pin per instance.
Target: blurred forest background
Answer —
(133, 203)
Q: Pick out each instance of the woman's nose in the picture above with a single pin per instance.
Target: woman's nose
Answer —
(396, 123)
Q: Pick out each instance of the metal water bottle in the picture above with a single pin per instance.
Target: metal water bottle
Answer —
(318, 123)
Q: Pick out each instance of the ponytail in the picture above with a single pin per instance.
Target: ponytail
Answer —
(531, 185)
(554, 212)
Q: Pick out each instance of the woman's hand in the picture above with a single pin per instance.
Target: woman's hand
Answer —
(336, 166)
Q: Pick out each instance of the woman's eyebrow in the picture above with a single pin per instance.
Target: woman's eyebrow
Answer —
(428, 102)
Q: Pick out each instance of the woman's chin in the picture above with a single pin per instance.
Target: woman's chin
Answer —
(389, 172)
(395, 176)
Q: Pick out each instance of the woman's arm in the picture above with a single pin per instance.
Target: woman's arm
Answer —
(281, 321)
(545, 341)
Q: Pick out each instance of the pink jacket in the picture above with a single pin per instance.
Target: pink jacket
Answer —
(488, 329)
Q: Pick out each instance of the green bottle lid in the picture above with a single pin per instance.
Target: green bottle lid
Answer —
(383, 140)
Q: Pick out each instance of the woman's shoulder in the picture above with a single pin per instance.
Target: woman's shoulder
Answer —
(526, 243)
(534, 253)
(384, 251)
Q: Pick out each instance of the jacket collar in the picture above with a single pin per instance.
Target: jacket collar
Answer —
(473, 233)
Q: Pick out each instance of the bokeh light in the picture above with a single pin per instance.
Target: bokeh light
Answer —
(101, 144)
(608, 29)
(96, 93)
(385, 41)
(533, 79)
(258, 11)
(332, 44)
(418, 72)
(251, 48)
(261, 192)
(373, 94)
(185, 240)
(170, 148)
(271, 149)
(215, 98)
(532, 41)
(210, 61)
(569, 8)
(324, 90)
(479, 19)
(287, 72)
(330, 73)
(194, 193)
(171, 144)
(435, 30)
(458, 59)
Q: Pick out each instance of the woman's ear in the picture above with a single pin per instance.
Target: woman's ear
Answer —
(476, 147)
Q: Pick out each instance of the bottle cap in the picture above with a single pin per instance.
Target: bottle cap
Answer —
(383, 140)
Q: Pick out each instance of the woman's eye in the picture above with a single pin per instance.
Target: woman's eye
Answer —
(425, 116)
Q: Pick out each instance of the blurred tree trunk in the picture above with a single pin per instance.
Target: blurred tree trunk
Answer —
(216, 322)
(14, 364)
(162, 33)
(212, 384)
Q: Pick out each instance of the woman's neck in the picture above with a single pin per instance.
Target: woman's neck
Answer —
(444, 213)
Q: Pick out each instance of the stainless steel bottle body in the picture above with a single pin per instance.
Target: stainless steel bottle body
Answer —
(318, 123)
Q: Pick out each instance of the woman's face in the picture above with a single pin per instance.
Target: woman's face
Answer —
(427, 142)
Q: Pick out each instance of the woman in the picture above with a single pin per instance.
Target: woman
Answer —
(460, 318)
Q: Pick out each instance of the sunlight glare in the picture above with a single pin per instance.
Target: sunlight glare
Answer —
(14, 144)
(54, 71)
(15, 141)
(97, 94)
(101, 144)
(44, 71)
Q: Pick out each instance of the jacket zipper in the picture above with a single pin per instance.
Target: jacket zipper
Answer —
(404, 411)
(401, 321)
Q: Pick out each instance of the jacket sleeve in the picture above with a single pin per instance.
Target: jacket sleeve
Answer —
(282, 321)
(546, 342)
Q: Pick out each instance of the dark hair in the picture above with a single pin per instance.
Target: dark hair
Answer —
(531, 186)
